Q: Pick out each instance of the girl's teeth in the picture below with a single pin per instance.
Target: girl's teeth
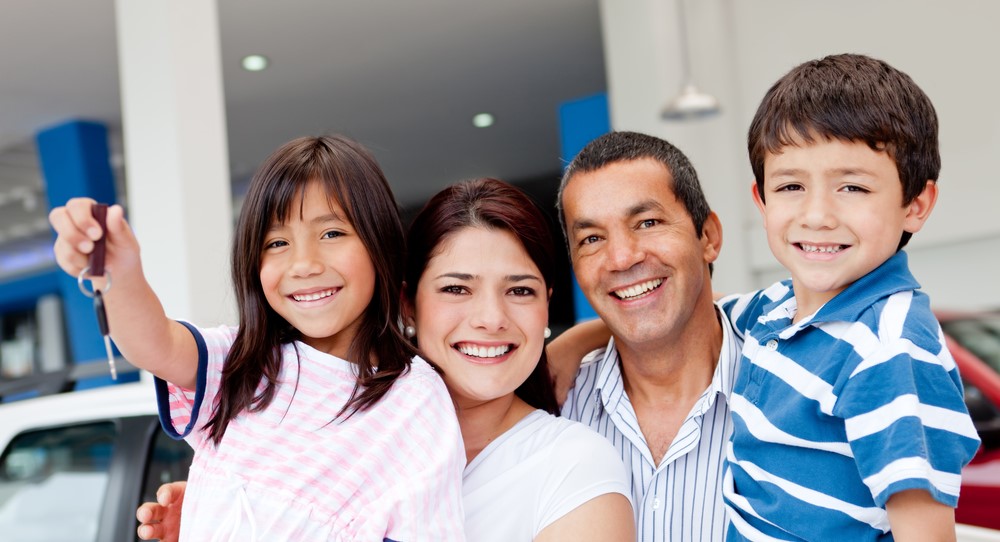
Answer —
(313, 296)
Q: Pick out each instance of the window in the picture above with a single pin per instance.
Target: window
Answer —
(64, 469)
(168, 461)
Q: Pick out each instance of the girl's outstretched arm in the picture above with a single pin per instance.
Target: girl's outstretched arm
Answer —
(138, 325)
(566, 351)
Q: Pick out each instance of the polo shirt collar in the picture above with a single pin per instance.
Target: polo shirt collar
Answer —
(889, 278)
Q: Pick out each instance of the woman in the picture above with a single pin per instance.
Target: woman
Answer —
(479, 270)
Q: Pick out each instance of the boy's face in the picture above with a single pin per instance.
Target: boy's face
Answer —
(834, 212)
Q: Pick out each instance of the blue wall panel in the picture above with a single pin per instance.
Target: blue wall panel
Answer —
(580, 122)
(74, 161)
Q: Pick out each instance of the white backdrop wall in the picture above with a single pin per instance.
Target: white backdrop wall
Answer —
(740, 47)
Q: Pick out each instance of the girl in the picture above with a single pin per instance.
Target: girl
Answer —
(309, 421)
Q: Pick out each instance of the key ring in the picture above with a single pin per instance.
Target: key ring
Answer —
(82, 277)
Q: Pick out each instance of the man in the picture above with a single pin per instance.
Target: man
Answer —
(642, 241)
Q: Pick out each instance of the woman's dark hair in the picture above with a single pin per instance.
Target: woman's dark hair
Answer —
(494, 205)
(352, 178)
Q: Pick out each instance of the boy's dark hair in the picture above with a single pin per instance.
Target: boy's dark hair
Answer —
(352, 178)
(851, 97)
(494, 205)
(626, 146)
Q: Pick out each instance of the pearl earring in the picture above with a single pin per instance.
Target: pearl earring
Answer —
(410, 332)
(548, 333)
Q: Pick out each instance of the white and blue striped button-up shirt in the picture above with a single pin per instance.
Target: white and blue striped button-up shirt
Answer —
(681, 498)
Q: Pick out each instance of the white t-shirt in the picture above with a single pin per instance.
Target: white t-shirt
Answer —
(535, 473)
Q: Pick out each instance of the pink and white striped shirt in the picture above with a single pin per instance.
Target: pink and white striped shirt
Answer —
(393, 471)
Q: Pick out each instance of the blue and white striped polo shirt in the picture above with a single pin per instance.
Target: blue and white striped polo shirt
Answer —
(681, 498)
(834, 414)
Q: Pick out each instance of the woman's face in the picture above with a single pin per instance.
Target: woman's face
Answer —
(481, 311)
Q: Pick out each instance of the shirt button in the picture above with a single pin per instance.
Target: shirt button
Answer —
(656, 504)
(772, 344)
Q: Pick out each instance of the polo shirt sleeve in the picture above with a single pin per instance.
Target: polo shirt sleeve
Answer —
(905, 418)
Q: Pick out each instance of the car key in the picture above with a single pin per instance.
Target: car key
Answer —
(95, 268)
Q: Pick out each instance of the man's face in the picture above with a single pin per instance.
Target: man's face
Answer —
(635, 251)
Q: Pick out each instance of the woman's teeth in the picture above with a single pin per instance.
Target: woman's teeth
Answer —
(483, 351)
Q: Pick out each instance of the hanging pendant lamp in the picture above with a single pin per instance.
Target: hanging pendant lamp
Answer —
(691, 102)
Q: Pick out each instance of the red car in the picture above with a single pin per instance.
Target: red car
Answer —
(974, 342)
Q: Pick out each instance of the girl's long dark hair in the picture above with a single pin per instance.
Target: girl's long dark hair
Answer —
(354, 180)
(496, 205)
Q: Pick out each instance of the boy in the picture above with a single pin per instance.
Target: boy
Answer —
(849, 419)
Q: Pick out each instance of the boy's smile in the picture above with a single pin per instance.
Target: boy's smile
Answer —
(833, 211)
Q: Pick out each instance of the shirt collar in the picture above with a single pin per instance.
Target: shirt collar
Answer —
(889, 278)
(611, 383)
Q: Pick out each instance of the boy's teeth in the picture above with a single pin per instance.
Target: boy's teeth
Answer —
(638, 289)
(313, 296)
(483, 351)
(826, 249)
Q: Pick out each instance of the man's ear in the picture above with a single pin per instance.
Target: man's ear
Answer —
(919, 210)
(711, 237)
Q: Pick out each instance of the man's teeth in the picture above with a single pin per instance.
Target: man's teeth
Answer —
(483, 351)
(638, 289)
(313, 296)
(829, 249)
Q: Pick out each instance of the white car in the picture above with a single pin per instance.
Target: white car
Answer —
(76, 465)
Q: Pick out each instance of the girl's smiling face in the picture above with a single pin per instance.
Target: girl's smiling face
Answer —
(481, 311)
(316, 273)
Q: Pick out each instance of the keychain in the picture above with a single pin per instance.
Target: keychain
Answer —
(95, 268)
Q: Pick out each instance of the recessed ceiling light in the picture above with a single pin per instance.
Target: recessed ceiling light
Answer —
(482, 120)
(254, 63)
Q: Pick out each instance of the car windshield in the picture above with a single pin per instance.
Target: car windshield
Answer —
(981, 336)
(63, 469)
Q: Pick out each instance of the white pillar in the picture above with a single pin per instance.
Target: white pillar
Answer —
(176, 157)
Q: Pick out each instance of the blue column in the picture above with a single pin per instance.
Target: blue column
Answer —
(74, 162)
(580, 122)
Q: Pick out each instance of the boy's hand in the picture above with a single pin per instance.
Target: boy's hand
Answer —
(161, 520)
(77, 230)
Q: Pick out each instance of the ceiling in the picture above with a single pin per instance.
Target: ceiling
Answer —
(403, 77)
